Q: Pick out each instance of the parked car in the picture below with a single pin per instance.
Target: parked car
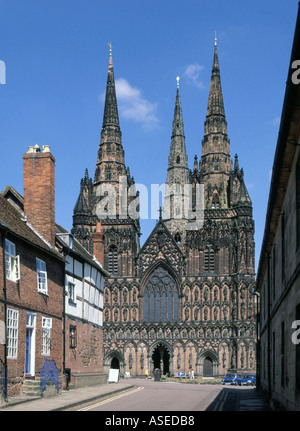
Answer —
(246, 379)
(230, 379)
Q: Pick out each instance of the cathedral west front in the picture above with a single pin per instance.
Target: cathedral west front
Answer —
(182, 301)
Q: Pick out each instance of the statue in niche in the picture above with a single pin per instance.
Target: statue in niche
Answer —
(242, 358)
(224, 359)
(130, 360)
(178, 360)
(196, 313)
(196, 295)
(116, 314)
(116, 295)
(134, 314)
(142, 359)
(190, 360)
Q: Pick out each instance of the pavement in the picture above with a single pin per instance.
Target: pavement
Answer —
(240, 399)
(66, 398)
(229, 398)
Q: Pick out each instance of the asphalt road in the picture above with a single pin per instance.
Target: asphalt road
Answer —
(159, 397)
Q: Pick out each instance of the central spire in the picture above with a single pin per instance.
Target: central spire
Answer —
(174, 212)
(110, 116)
(178, 161)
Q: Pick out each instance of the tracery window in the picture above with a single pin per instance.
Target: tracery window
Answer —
(161, 297)
(113, 260)
(215, 202)
(209, 258)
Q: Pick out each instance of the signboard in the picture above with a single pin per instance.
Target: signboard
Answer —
(113, 376)
(181, 374)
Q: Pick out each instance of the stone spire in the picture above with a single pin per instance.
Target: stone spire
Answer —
(110, 115)
(110, 162)
(216, 162)
(174, 212)
(178, 160)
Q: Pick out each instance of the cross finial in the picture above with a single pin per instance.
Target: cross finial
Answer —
(160, 213)
(215, 38)
(110, 47)
(177, 79)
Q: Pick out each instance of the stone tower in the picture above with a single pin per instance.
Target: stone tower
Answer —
(111, 198)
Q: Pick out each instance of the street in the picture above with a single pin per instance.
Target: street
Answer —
(148, 395)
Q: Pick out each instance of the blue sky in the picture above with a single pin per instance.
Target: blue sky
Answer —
(56, 58)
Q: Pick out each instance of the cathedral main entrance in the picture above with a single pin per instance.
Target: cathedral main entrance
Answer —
(161, 359)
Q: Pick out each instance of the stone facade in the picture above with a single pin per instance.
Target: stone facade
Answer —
(181, 301)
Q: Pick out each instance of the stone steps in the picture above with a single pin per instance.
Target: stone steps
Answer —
(31, 388)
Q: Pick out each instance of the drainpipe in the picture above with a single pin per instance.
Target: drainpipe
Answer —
(64, 318)
(5, 313)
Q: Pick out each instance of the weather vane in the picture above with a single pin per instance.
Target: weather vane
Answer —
(110, 47)
(215, 38)
(177, 79)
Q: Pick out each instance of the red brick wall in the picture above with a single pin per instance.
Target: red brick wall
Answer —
(39, 192)
(23, 296)
(87, 357)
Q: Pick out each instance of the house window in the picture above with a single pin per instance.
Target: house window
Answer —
(209, 258)
(46, 331)
(113, 260)
(41, 276)
(12, 262)
(73, 337)
(12, 333)
(71, 293)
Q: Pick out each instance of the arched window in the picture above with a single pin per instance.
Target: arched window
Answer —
(215, 202)
(178, 238)
(161, 297)
(209, 258)
(108, 173)
(113, 266)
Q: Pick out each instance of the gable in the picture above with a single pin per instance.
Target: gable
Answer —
(160, 246)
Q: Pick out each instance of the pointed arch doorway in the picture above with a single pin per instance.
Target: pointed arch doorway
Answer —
(208, 367)
(161, 358)
(115, 363)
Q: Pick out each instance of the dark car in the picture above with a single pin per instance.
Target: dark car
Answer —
(246, 379)
(230, 379)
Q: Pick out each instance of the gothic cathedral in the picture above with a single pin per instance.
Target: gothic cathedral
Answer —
(183, 300)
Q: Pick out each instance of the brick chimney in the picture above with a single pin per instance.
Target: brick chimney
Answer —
(98, 244)
(39, 191)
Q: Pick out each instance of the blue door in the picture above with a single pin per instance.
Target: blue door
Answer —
(28, 350)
